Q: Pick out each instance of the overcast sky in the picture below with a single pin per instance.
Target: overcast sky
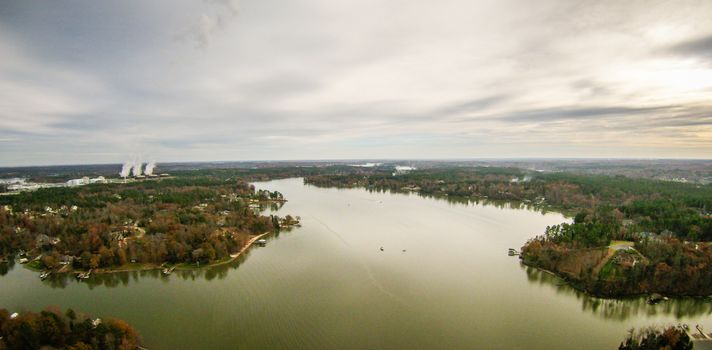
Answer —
(103, 81)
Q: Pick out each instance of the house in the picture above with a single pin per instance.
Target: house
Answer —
(78, 182)
(43, 240)
(66, 260)
(116, 236)
(99, 179)
(654, 236)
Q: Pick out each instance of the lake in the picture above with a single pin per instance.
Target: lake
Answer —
(443, 280)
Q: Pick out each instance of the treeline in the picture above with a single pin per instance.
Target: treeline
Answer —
(667, 266)
(69, 330)
(187, 219)
(670, 338)
(638, 205)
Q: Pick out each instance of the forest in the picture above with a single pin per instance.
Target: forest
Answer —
(53, 329)
(191, 218)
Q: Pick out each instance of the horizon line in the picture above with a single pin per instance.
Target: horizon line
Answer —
(372, 159)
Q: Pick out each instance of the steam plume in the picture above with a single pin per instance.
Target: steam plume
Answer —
(136, 170)
(126, 169)
(149, 167)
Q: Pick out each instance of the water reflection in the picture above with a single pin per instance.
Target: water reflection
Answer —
(621, 309)
(124, 278)
(457, 200)
(274, 206)
(6, 267)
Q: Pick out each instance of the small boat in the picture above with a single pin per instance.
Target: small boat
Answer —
(44, 275)
(262, 241)
(84, 275)
(24, 261)
(512, 252)
(655, 298)
(167, 270)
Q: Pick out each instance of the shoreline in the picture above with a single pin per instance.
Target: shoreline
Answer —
(234, 257)
(150, 266)
(578, 287)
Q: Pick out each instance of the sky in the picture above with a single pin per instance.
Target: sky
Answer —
(217, 80)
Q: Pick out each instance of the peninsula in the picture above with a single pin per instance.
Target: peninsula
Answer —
(191, 219)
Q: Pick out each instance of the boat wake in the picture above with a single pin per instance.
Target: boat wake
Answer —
(372, 279)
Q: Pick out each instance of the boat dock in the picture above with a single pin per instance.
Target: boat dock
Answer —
(700, 334)
(84, 275)
(702, 340)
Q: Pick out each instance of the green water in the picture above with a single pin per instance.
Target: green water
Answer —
(327, 285)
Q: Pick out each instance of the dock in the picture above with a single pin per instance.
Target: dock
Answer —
(84, 275)
(700, 339)
(700, 335)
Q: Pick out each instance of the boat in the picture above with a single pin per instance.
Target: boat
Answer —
(262, 241)
(45, 274)
(167, 271)
(512, 252)
(84, 275)
(656, 298)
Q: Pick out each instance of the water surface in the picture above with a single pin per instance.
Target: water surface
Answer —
(443, 280)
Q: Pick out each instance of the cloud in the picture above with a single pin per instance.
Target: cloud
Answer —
(208, 24)
(580, 113)
(276, 79)
(699, 48)
(476, 105)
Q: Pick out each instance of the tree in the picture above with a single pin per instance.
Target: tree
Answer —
(672, 338)
(95, 261)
